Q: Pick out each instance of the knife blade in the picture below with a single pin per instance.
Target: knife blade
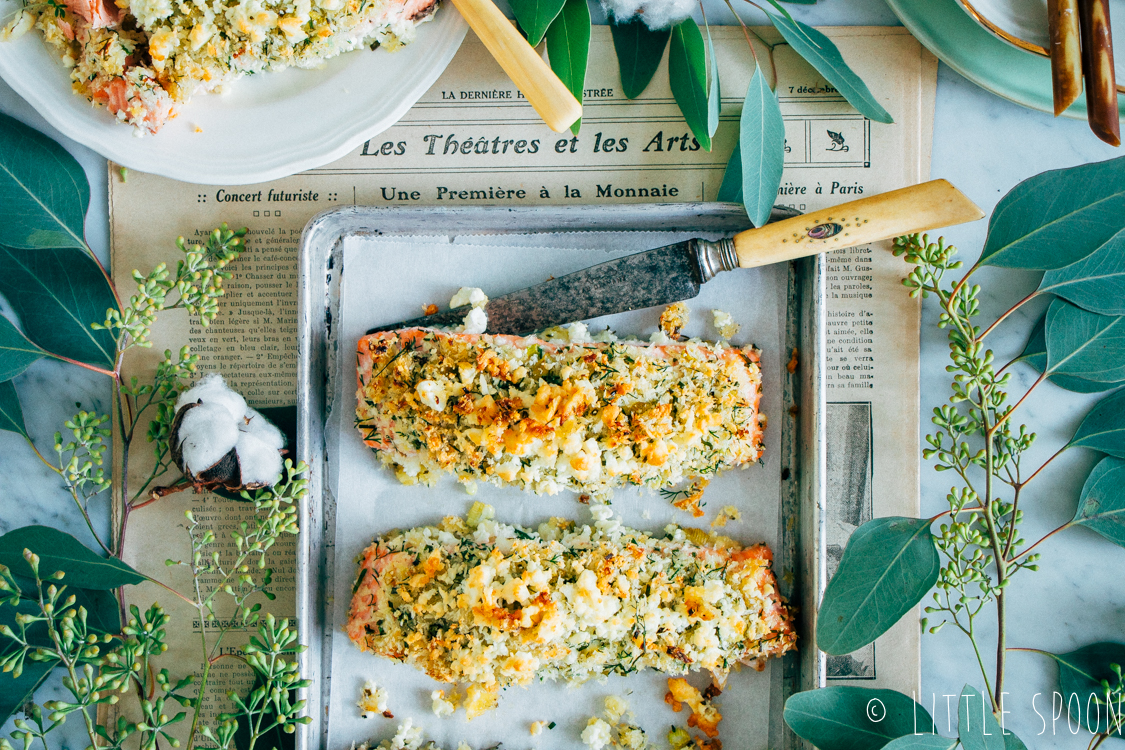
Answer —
(676, 272)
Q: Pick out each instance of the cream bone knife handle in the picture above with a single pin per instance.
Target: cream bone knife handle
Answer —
(540, 86)
(913, 209)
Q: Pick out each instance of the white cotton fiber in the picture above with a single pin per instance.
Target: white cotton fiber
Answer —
(207, 433)
(657, 14)
(217, 419)
(212, 389)
(263, 429)
(259, 460)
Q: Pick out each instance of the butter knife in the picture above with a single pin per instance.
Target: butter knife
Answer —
(675, 272)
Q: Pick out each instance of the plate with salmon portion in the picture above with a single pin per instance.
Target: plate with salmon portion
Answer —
(224, 92)
(591, 534)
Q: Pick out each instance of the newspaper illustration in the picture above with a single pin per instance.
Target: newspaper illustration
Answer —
(473, 140)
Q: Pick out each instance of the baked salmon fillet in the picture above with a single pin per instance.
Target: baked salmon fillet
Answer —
(480, 602)
(142, 59)
(546, 416)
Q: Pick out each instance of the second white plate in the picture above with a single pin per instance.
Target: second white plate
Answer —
(268, 127)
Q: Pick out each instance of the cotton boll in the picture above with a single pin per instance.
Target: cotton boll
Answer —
(258, 460)
(657, 14)
(263, 429)
(206, 434)
(212, 389)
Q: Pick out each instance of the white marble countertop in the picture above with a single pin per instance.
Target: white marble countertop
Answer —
(984, 145)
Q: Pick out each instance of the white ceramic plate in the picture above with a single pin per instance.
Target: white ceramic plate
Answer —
(1027, 20)
(268, 126)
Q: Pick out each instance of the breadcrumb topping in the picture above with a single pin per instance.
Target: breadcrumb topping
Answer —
(548, 416)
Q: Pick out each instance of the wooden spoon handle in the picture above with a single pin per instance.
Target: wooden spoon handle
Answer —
(532, 76)
(913, 209)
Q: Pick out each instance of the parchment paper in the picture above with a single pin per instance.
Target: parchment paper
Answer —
(385, 281)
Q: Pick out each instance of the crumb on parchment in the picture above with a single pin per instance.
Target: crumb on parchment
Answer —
(724, 324)
(441, 706)
(727, 514)
(612, 731)
(373, 701)
(673, 319)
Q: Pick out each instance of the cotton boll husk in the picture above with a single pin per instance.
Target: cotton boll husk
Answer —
(207, 432)
(257, 425)
(258, 459)
(212, 389)
(657, 14)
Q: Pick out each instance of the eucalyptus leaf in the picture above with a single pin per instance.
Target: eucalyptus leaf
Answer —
(568, 48)
(16, 352)
(730, 190)
(57, 294)
(1081, 673)
(819, 51)
(535, 16)
(1103, 429)
(1035, 354)
(44, 193)
(976, 726)
(888, 566)
(687, 75)
(922, 742)
(1095, 283)
(762, 148)
(854, 718)
(639, 51)
(1084, 344)
(714, 95)
(15, 692)
(11, 415)
(1057, 218)
(59, 551)
(1101, 506)
(1012, 742)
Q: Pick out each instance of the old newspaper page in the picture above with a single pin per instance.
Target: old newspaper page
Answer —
(471, 141)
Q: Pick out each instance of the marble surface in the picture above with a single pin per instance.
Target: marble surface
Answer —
(984, 145)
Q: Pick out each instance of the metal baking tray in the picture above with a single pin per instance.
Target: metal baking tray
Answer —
(326, 373)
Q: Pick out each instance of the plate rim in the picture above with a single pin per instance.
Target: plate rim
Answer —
(180, 165)
(945, 29)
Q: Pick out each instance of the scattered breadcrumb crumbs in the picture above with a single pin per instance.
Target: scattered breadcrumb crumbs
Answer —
(373, 701)
(430, 309)
(615, 708)
(673, 319)
(689, 499)
(791, 367)
(704, 715)
(724, 324)
(196, 128)
(597, 734)
(442, 707)
(728, 513)
(537, 728)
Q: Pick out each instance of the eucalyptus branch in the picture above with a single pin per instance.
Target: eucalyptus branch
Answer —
(975, 436)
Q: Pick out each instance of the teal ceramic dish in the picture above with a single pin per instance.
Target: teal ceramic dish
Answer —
(986, 60)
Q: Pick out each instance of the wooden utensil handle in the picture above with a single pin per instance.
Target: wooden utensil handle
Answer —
(1066, 52)
(913, 209)
(532, 76)
(1101, 83)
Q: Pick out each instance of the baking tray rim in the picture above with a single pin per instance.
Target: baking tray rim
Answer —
(803, 441)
